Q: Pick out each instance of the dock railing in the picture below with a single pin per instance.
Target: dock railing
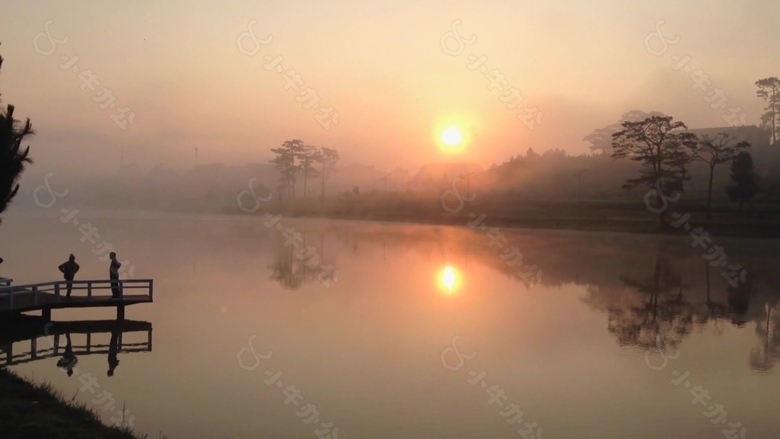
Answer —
(53, 293)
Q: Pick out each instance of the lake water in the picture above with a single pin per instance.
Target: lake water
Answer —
(425, 332)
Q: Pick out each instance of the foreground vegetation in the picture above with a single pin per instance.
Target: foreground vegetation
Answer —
(36, 410)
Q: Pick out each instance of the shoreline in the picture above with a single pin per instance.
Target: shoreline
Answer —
(29, 409)
(636, 225)
(588, 218)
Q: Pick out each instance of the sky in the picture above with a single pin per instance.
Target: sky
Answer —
(177, 67)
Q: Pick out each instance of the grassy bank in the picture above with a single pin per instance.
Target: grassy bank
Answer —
(592, 215)
(36, 410)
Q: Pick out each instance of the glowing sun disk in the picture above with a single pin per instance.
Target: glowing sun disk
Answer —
(452, 136)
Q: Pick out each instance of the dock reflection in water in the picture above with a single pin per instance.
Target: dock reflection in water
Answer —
(35, 342)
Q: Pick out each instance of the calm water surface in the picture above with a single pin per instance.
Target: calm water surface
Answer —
(593, 351)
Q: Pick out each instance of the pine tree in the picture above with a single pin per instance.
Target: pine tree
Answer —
(12, 159)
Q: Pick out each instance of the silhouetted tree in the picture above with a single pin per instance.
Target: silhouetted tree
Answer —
(680, 161)
(658, 144)
(12, 159)
(287, 165)
(601, 138)
(714, 152)
(531, 156)
(307, 156)
(744, 181)
(327, 159)
(284, 164)
(769, 90)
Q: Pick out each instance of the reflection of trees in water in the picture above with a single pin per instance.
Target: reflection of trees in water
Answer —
(657, 314)
(714, 310)
(764, 355)
(739, 302)
(657, 308)
(735, 309)
(654, 312)
(289, 267)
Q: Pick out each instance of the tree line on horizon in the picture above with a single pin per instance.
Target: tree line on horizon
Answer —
(665, 149)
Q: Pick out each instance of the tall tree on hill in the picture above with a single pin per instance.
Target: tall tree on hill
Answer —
(327, 159)
(715, 152)
(744, 180)
(769, 90)
(287, 165)
(656, 142)
(12, 158)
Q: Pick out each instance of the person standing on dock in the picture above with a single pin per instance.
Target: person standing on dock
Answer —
(113, 273)
(69, 270)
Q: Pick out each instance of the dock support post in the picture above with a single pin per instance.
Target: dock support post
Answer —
(120, 312)
(46, 314)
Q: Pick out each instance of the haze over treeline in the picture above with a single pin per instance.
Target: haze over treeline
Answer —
(552, 175)
(379, 64)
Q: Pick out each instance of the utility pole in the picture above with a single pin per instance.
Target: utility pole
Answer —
(196, 155)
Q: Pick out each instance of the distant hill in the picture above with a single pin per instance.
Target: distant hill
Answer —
(748, 133)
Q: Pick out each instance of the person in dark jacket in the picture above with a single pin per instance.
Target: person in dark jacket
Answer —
(69, 270)
(113, 273)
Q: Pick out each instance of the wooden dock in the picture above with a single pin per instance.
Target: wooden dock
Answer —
(45, 297)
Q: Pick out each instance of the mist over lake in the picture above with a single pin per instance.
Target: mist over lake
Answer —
(370, 350)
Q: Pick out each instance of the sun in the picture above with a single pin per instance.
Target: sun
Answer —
(453, 133)
(452, 136)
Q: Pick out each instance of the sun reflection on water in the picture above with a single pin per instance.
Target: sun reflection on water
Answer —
(448, 278)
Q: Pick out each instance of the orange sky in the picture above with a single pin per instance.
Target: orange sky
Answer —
(177, 66)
